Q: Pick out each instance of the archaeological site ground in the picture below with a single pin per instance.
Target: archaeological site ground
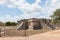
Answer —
(28, 27)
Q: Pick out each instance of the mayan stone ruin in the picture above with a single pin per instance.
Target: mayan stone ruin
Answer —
(28, 27)
(34, 24)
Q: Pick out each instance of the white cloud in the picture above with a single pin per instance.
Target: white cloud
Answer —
(32, 10)
(2, 1)
(10, 18)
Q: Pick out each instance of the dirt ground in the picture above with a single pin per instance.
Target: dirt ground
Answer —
(53, 35)
(14, 38)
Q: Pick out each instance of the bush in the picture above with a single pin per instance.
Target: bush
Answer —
(10, 24)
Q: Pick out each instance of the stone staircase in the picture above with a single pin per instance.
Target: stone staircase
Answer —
(45, 28)
(19, 26)
(50, 25)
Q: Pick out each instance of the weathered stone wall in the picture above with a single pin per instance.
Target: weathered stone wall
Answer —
(34, 22)
(23, 25)
(14, 33)
(34, 25)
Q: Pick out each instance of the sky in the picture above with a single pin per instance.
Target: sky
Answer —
(14, 10)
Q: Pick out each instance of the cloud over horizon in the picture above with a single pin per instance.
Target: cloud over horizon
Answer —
(28, 9)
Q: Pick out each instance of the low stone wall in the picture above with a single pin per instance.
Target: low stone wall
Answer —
(14, 32)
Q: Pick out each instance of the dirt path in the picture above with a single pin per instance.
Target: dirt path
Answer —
(54, 35)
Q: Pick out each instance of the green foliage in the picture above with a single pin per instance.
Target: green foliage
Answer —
(10, 24)
(56, 16)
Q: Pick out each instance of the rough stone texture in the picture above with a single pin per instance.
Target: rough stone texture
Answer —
(23, 33)
(34, 23)
(13, 32)
(22, 25)
(53, 35)
(29, 27)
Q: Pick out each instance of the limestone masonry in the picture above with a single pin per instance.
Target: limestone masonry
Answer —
(34, 24)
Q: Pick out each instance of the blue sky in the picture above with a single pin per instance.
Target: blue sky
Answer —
(13, 10)
(30, 1)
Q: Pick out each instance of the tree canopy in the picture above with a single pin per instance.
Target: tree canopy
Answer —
(10, 24)
(56, 16)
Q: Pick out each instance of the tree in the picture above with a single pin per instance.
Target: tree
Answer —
(7, 24)
(56, 16)
(13, 24)
(10, 24)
